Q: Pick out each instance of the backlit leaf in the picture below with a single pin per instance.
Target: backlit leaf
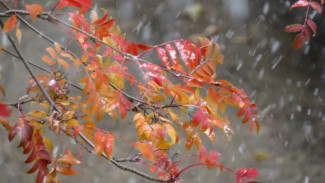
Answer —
(203, 154)
(10, 24)
(66, 171)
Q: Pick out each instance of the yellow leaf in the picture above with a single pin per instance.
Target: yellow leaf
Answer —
(68, 115)
(38, 113)
(18, 34)
(171, 132)
(57, 47)
(48, 144)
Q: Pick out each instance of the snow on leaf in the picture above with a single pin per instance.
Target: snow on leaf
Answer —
(34, 10)
(300, 3)
(293, 28)
(109, 145)
(163, 56)
(10, 24)
(298, 41)
(312, 26)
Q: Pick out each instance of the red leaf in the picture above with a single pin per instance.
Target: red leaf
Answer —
(299, 41)
(198, 117)
(300, 3)
(123, 111)
(212, 158)
(316, 6)
(10, 24)
(307, 33)
(31, 156)
(77, 130)
(5, 111)
(34, 10)
(35, 167)
(163, 56)
(293, 28)
(109, 145)
(312, 26)
(101, 20)
(99, 143)
(203, 154)
(13, 132)
(243, 175)
(144, 47)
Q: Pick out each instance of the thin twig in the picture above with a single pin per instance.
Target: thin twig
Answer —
(113, 161)
(22, 58)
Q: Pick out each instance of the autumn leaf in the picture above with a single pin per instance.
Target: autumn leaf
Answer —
(10, 24)
(293, 28)
(298, 41)
(312, 26)
(109, 145)
(5, 111)
(99, 143)
(300, 3)
(146, 150)
(18, 34)
(243, 175)
(316, 6)
(34, 10)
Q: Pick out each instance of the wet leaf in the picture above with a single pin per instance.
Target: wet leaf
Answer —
(300, 3)
(99, 142)
(109, 145)
(243, 175)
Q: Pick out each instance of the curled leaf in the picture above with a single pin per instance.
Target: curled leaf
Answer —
(299, 41)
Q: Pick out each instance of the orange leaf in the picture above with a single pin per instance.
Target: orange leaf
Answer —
(68, 159)
(66, 171)
(57, 47)
(99, 143)
(109, 145)
(34, 10)
(10, 24)
(48, 60)
(51, 52)
(64, 63)
(145, 150)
